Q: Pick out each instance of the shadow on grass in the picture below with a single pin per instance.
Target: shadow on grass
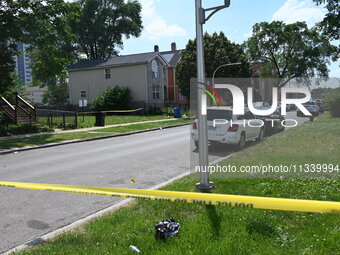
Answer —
(215, 220)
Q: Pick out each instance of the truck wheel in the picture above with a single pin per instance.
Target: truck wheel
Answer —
(242, 142)
(261, 135)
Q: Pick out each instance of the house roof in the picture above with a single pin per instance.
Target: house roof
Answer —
(169, 57)
(116, 61)
(173, 57)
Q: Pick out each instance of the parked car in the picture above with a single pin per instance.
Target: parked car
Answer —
(237, 134)
(321, 105)
(313, 109)
(261, 105)
(316, 110)
(272, 122)
(290, 107)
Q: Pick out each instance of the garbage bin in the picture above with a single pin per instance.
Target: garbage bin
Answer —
(100, 119)
(177, 112)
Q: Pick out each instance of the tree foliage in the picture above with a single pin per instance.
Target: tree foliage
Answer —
(290, 51)
(42, 24)
(117, 98)
(218, 50)
(333, 103)
(61, 32)
(52, 46)
(7, 67)
(99, 25)
(56, 94)
(330, 25)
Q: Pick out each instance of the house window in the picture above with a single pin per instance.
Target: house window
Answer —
(164, 73)
(83, 94)
(154, 67)
(181, 96)
(155, 92)
(107, 73)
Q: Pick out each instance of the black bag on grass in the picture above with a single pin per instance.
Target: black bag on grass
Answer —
(167, 228)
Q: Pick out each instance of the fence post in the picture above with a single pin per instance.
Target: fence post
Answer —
(51, 120)
(64, 121)
(76, 119)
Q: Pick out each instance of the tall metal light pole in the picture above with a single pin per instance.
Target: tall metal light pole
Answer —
(229, 64)
(204, 184)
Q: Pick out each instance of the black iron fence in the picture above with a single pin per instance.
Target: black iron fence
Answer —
(78, 117)
(57, 118)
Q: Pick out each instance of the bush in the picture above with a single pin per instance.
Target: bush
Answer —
(333, 104)
(167, 111)
(22, 129)
(2, 118)
(116, 98)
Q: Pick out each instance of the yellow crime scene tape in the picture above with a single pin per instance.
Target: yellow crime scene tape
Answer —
(190, 197)
(113, 111)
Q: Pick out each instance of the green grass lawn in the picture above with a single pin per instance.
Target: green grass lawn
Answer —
(221, 230)
(120, 119)
(315, 142)
(89, 121)
(53, 138)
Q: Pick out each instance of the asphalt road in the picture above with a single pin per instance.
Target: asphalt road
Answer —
(150, 158)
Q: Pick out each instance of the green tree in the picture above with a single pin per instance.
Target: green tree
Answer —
(330, 25)
(117, 98)
(7, 67)
(9, 29)
(56, 94)
(218, 50)
(100, 25)
(52, 42)
(290, 51)
(44, 25)
(333, 103)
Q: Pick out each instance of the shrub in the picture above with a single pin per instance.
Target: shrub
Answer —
(167, 111)
(2, 118)
(6, 130)
(117, 98)
(333, 104)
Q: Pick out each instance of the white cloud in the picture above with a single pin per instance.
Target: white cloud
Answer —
(249, 34)
(297, 10)
(155, 26)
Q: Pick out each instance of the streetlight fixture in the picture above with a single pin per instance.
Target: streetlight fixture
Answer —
(230, 64)
(204, 184)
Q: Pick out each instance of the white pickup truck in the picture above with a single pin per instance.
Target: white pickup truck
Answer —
(226, 128)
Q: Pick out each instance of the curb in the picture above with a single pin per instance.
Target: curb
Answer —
(48, 145)
(78, 223)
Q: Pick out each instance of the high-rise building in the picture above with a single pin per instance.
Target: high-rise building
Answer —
(24, 71)
(23, 63)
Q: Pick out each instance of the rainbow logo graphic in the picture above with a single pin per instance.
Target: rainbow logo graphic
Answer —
(212, 93)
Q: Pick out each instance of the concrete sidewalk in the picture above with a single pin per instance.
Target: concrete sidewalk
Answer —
(60, 131)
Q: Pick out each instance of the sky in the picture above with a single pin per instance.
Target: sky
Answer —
(167, 21)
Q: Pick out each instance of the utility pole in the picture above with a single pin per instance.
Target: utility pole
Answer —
(204, 184)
